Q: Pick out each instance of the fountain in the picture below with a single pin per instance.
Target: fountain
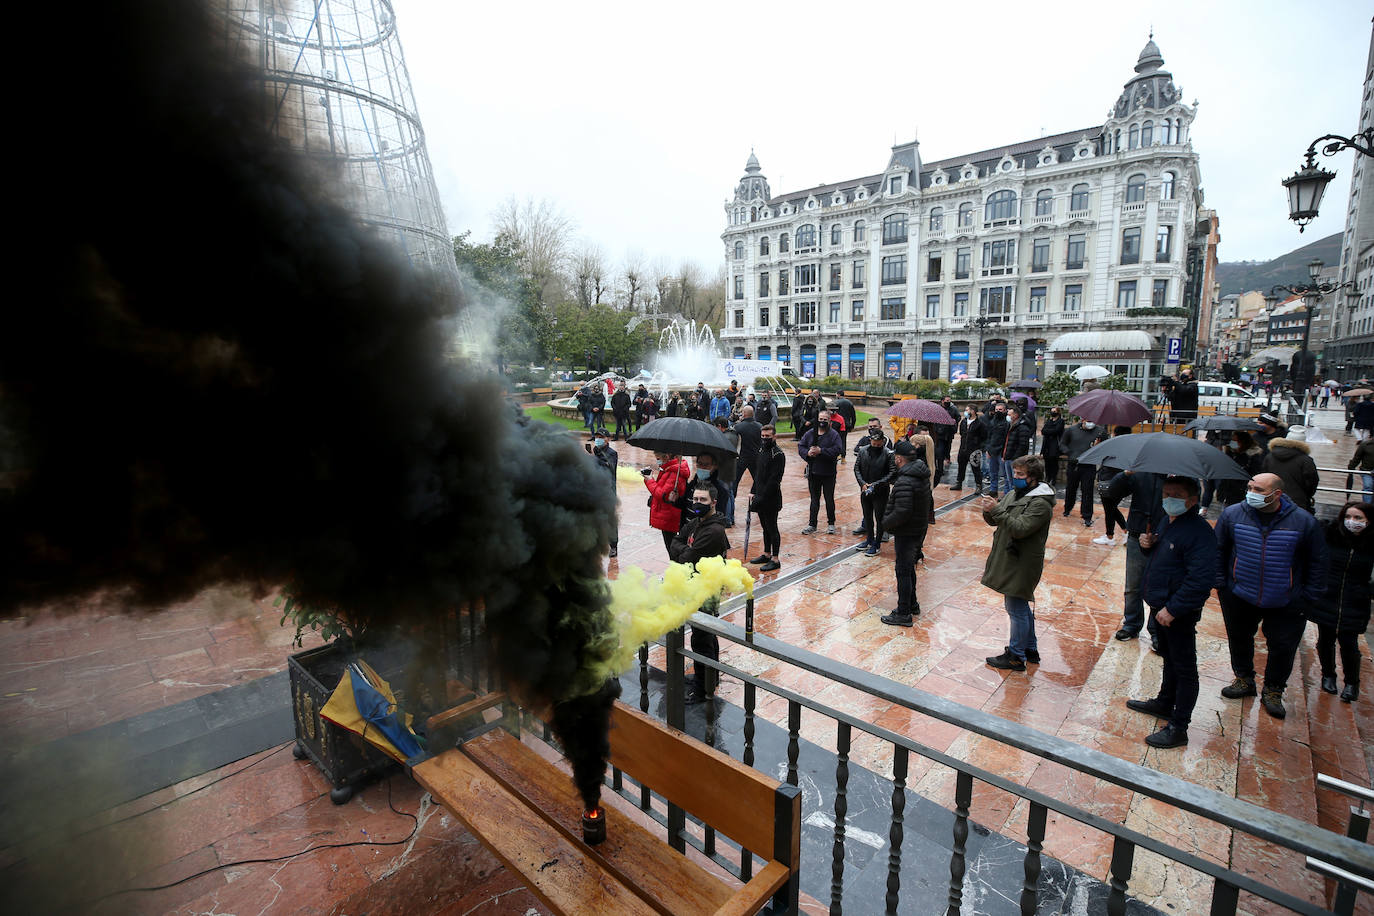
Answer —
(687, 353)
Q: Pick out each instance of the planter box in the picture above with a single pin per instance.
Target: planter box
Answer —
(345, 759)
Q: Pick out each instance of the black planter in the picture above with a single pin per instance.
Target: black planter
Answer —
(345, 759)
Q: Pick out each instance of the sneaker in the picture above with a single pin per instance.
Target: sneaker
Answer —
(760, 559)
(809, 529)
(770, 566)
(886, 538)
(1007, 662)
(859, 530)
(1154, 645)
(1032, 657)
(1104, 540)
(1166, 737)
(872, 550)
(1240, 687)
(1272, 701)
(1152, 707)
(829, 529)
(1329, 683)
(1124, 634)
(862, 545)
(1087, 523)
(1350, 692)
(1067, 510)
(896, 620)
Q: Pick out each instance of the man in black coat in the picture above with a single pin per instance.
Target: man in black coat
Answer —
(607, 460)
(1020, 434)
(994, 443)
(907, 518)
(1183, 398)
(620, 406)
(1179, 575)
(702, 536)
(767, 412)
(943, 434)
(820, 449)
(765, 497)
(973, 435)
(1049, 445)
(874, 469)
(596, 401)
(845, 408)
(749, 431)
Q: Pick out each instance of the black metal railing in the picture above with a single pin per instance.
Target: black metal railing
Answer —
(1343, 858)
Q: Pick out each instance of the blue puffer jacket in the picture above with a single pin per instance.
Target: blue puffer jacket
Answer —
(1181, 566)
(1271, 566)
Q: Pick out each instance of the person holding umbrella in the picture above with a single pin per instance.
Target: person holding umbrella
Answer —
(667, 484)
(1181, 556)
(1017, 559)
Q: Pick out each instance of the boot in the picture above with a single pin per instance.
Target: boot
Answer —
(1272, 700)
(1240, 687)
(1329, 683)
(1352, 690)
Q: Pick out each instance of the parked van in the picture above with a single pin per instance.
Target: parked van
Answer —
(1226, 397)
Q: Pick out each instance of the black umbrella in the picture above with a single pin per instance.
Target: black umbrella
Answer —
(1227, 424)
(1164, 453)
(1029, 384)
(681, 436)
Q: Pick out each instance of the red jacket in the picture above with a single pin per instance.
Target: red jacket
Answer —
(671, 482)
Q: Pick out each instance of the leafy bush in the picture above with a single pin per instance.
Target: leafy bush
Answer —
(1114, 382)
(833, 383)
(1057, 390)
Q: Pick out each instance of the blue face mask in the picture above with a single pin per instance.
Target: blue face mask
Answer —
(1020, 483)
(1173, 506)
(1256, 500)
(703, 474)
(599, 443)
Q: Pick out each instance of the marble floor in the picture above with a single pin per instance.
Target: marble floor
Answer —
(63, 676)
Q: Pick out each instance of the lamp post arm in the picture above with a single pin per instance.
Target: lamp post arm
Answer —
(1338, 143)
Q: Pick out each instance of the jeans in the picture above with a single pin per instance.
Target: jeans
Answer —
(1178, 647)
(586, 417)
(1079, 482)
(906, 548)
(995, 467)
(1349, 641)
(1282, 627)
(1133, 616)
(622, 425)
(819, 486)
(874, 506)
(1209, 489)
(1022, 626)
(1368, 481)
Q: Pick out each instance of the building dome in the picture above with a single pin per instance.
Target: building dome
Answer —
(753, 186)
(1150, 58)
(752, 165)
(1151, 87)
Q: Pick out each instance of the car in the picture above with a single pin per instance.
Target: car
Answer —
(1226, 397)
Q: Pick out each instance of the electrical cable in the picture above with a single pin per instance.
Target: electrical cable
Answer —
(415, 826)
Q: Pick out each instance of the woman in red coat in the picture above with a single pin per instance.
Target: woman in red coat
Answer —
(667, 485)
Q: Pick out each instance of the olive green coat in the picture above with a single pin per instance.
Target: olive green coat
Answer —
(1017, 557)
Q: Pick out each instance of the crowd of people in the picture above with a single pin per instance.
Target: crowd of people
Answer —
(1273, 566)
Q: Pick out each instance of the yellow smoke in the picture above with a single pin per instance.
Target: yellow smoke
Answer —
(643, 608)
(627, 475)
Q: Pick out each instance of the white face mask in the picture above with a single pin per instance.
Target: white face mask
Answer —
(1087, 425)
(1354, 525)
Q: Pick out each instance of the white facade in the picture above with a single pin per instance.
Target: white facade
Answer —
(1350, 350)
(887, 275)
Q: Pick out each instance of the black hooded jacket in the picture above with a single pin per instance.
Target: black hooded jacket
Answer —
(908, 508)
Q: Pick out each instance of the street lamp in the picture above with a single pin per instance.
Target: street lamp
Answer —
(1304, 364)
(1306, 186)
(982, 323)
(785, 330)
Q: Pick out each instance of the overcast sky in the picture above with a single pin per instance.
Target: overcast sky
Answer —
(636, 118)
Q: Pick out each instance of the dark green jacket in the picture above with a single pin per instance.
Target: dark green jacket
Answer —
(1017, 557)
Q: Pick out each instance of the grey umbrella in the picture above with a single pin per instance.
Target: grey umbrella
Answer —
(1164, 453)
(681, 436)
(1222, 423)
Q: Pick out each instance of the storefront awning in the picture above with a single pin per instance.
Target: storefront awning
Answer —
(1095, 345)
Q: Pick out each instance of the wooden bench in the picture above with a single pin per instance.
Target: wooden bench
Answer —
(541, 394)
(527, 812)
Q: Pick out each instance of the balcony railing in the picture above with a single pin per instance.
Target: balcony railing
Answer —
(1079, 214)
(1137, 208)
(1042, 220)
(1348, 860)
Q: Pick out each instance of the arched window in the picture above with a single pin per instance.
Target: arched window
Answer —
(1135, 188)
(1116, 141)
(739, 251)
(937, 219)
(1166, 186)
(858, 230)
(763, 245)
(806, 237)
(1147, 133)
(894, 228)
(1078, 199)
(1044, 202)
(782, 243)
(835, 234)
(1134, 141)
(1000, 205)
(965, 214)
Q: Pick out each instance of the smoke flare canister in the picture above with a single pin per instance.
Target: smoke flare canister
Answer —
(594, 826)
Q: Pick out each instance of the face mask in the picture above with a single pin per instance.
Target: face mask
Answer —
(1174, 506)
(699, 509)
(660, 463)
(824, 424)
(1354, 525)
(876, 444)
(1256, 500)
(1088, 425)
(767, 441)
(703, 474)
(1020, 483)
(599, 443)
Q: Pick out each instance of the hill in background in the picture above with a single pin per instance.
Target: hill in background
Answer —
(1290, 268)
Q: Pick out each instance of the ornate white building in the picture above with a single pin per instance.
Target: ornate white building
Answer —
(1046, 250)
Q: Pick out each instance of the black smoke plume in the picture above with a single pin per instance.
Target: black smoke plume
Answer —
(214, 374)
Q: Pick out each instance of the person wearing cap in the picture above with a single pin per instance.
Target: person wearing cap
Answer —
(1017, 558)
(1271, 567)
(607, 460)
(1181, 558)
(1269, 428)
(1183, 398)
(907, 519)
